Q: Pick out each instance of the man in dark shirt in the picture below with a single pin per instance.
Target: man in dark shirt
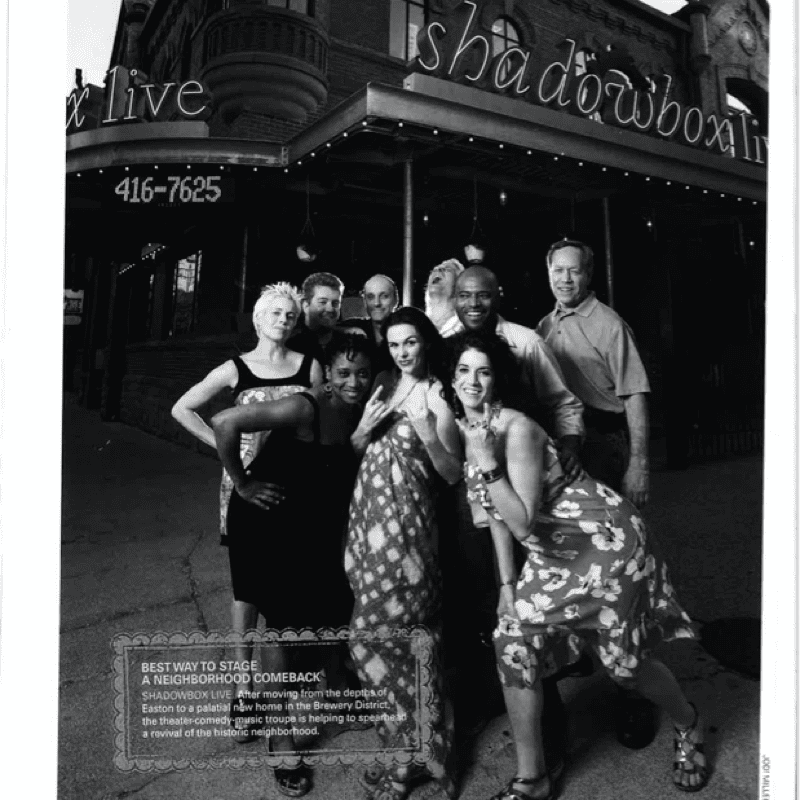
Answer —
(322, 299)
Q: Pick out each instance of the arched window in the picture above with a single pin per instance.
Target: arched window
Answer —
(743, 95)
(504, 36)
(406, 19)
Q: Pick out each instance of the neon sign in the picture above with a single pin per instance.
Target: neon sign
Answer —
(174, 189)
(456, 50)
(127, 100)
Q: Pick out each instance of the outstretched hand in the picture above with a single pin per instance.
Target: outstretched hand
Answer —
(481, 439)
(263, 495)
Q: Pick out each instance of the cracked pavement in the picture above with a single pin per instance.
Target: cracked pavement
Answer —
(140, 553)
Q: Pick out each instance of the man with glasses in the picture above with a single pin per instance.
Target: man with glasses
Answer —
(601, 364)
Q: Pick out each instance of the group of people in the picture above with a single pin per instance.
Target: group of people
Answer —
(452, 470)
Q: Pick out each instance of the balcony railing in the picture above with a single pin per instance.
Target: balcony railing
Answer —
(248, 28)
(254, 52)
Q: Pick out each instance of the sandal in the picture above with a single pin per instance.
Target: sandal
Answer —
(371, 776)
(510, 793)
(242, 718)
(690, 756)
(292, 781)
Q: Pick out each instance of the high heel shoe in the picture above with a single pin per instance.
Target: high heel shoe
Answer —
(291, 781)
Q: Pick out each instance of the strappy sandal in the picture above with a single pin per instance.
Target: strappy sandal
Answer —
(291, 781)
(690, 758)
(510, 793)
(388, 787)
(242, 709)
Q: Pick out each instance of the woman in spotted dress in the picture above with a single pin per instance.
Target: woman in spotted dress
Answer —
(408, 436)
(269, 372)
(592, 574)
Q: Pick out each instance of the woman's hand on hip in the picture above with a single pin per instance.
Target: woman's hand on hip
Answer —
(263, 495)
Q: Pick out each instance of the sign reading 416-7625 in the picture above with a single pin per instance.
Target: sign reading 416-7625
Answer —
(175, 189)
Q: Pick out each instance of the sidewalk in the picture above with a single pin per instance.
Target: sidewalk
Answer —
(140, 553)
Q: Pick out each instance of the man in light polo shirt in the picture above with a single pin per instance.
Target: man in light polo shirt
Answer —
(597, 354)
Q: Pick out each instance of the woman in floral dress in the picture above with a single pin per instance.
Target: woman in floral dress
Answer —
(592, 573)
(408, 436)
(271, 371)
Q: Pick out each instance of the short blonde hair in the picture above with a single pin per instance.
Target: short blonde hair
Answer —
(268, 294)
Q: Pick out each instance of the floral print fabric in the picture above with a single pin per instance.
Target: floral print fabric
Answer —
(592, 575)
(392, 566)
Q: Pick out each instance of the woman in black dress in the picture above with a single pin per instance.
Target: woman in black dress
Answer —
(288, 513)
(268, 372)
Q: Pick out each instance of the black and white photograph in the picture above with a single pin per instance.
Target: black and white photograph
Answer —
(423, 420)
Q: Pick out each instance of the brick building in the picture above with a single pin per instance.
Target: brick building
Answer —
(228, 128)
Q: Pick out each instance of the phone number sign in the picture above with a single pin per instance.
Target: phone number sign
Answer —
(174, 189)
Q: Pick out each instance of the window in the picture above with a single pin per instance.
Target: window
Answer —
(184, 294)
(406, 19)
(301, 6)
(212, 6)
(186, 57)
(504, 37)
(745, 97)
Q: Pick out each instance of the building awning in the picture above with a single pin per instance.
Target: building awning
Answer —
(431, 114)
(180, 142)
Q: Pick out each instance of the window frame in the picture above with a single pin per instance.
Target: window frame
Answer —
(408, 45)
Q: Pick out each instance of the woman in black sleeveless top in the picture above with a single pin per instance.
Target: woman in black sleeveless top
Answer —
(288, 514)
(269, 372)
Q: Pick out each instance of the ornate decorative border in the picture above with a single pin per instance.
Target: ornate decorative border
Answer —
(422, 647)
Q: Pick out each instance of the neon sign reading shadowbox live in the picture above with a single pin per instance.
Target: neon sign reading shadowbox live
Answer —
(456, 50)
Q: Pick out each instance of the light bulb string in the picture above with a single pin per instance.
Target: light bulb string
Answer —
(476, 226)
(308, 227)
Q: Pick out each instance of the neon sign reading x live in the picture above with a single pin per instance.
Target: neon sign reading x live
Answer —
(127, 99)
(456, 50)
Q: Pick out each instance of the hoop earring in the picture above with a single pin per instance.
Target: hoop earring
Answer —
(327, 389)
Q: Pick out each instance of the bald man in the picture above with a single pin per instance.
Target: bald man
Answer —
(543, 394)
(380, 299)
